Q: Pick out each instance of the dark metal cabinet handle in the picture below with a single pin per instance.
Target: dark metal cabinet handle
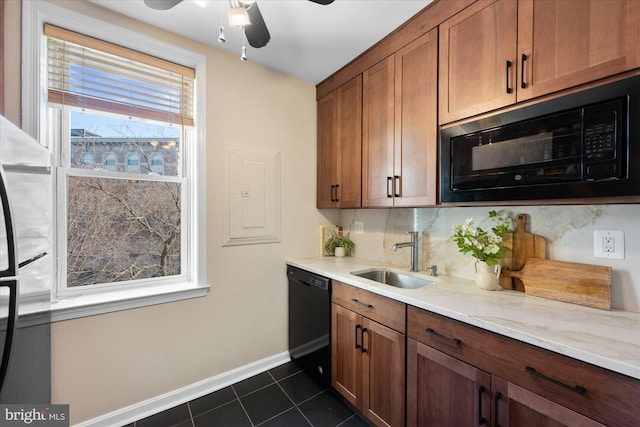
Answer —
(509, 89)
(396, 186)
(496, 422)
(364, 350)
(389, 187)
(481, 419)
(455, 341)
(337, 198)
(333, 198)
(358, 326)
(523, 58)
(361, 303)
(578, 389)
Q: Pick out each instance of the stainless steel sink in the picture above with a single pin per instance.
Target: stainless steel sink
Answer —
(392, 278)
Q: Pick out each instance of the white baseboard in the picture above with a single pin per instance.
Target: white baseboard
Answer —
(177, 397)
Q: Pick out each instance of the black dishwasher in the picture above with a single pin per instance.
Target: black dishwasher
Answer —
(310, 322)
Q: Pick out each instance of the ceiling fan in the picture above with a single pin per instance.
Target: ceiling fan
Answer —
(255, 30)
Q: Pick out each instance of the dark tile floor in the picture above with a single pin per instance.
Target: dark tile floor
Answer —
(285, 396)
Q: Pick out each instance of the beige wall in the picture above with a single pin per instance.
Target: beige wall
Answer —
(103, 363)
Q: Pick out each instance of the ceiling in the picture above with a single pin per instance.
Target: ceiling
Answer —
(308, 41)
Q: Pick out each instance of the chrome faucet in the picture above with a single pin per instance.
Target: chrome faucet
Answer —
(414, 249)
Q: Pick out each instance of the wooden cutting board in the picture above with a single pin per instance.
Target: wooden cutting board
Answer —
(583, 284)
(523, 246)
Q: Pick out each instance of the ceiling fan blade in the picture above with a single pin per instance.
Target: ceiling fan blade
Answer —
(161, 4)
(322, 2)
(257, 33)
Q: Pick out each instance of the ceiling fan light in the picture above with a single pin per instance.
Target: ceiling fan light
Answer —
(238, 17)
(221, 37)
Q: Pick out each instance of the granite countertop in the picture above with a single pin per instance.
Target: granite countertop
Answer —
(609, 339)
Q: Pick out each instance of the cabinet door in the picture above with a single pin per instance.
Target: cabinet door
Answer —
(327, 144)
(571, 42)
(377, 134)
(517, 407)
(444, 391)
(416, 122)
(478, 59)
(383, 367)
(349, 151)
(346, 354)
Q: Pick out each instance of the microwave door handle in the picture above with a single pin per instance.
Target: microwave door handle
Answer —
(12, 268)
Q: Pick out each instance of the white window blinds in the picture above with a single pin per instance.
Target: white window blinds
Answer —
(91, 73)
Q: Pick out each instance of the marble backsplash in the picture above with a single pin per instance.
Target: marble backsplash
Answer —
(568, 231)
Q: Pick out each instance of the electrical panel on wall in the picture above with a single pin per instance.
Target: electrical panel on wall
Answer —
(251, 207)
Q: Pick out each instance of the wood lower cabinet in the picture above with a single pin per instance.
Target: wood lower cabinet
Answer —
(444, 391)
(514, 406)
(399, 123)
(528, 386)
(340, 147)
(368, 358)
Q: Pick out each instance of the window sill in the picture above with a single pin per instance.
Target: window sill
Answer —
(73, 307)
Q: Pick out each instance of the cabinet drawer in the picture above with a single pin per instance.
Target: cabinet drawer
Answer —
(383, 310)
(603, 395)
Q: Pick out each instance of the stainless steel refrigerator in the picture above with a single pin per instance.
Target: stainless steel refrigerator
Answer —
(25, 267)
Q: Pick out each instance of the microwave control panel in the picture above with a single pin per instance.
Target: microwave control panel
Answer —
(601, 145)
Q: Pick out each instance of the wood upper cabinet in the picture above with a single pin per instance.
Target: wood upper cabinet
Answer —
(378, 134)
(340, 147)
(569, 42)
(400, 127)
(498, 52)
(368, 358)
(478, 59)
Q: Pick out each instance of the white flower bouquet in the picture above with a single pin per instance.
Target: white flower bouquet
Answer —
(483, 245)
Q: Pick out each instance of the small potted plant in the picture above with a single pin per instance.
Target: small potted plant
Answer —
(485, 246)
(339, 245)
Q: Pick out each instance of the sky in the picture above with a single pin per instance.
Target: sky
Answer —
(107, 126)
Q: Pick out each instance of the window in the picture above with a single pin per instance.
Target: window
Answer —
(157, 164)
(126, 211)
(120, 229)
(133, 163)
(111, 162)
(49, 121)
(87, 160)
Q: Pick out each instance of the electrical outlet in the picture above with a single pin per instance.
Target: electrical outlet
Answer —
(608, 244)
(358, 227)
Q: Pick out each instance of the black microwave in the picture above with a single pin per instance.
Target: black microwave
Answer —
(582, 145)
